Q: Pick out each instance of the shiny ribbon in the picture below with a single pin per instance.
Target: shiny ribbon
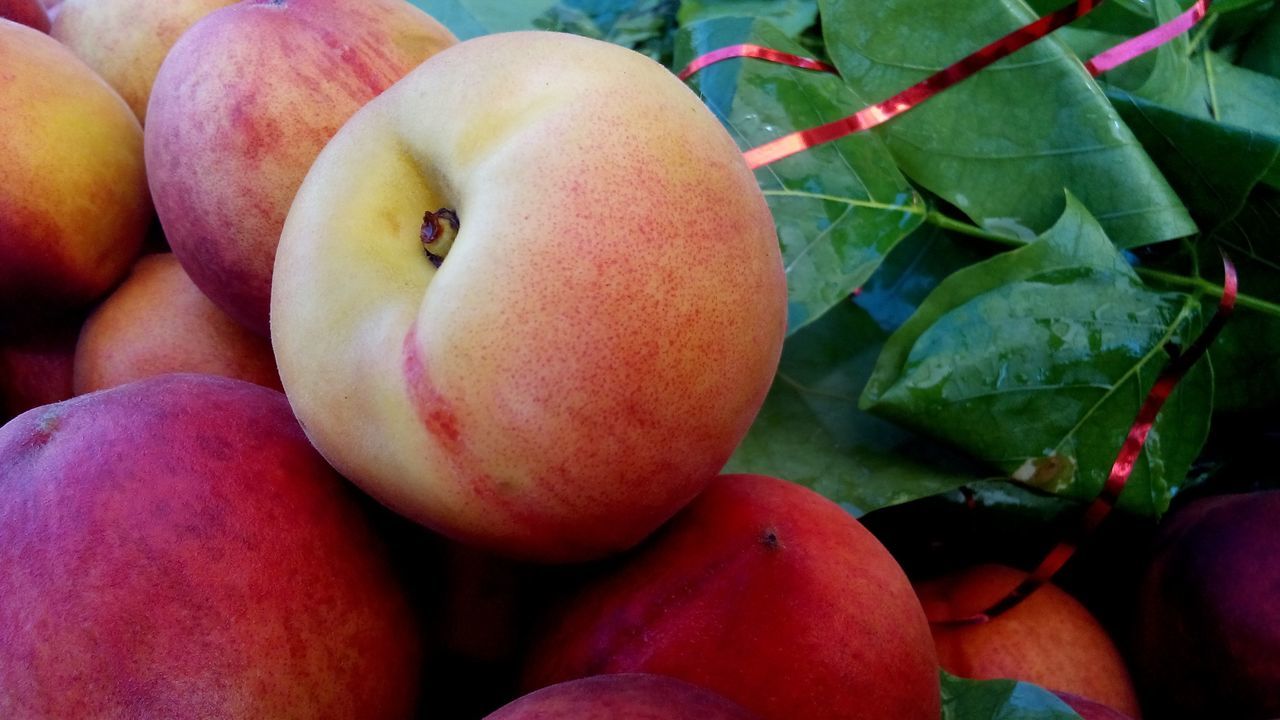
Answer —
(747, 50)
(1147, 41)
(1122, 468)
(874, 115)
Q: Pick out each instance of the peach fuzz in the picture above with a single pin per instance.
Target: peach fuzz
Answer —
(74, 210)
(31, 13)
(597, 339)
(1048, 639)
(241, 106)
(174, 548)
(765, 592)
(126, 40)
(628, 696)
(159, 322)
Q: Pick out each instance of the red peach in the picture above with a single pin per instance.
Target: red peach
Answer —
(1090, 710)
(767, 593)
(36, 365)
(176, 548)
(1049, 639)
(74, 206)
(1208, 632)
(629, 696)
(241, 106)
(31, 13)
(126, 40)
(159, 322)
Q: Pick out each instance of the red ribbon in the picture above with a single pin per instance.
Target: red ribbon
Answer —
(874, 115)
(881, 112)
(1147, 41)
(1122, 468)
(747, 50)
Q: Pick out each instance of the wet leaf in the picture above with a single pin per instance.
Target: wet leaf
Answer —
(1003, 145)
(811, 430)
(1037, 360)
(840, 207)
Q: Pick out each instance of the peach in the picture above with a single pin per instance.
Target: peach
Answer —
(1048, 639)
(631, 696)
(765, 592)
(598, 335)
(31, 13)
(1208, 637)
(75, 208)
(126, 40)
(36, 364)
(159, 322)
(239, 109)
(1090, 710)
(175, 548)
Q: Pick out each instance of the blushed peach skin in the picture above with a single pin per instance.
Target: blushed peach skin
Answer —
(626, 696)
(74, 205)
(239, 109)
(596, 342)
(31, 13)
(174, 548)
(765, 592)
(1048, 639)
(126, 40)
(159, 322)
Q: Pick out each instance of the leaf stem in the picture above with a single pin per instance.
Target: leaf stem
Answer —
(1214, 108)
(933, 217)
(1204, 286)
(1201, 33)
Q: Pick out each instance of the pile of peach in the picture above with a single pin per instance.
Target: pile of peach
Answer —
(325, 338)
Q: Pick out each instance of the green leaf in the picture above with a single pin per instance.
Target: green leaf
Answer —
(471, 18)
(1037, 361)
(1262, 53)
(811, 431)
(1212, 128)
(1003, 145)
(791, 16)
(839, 207)
(1127, 17)
(1214, 165)
(1000, 700)
(1232, 98)
(1248, 351)
(646, 26)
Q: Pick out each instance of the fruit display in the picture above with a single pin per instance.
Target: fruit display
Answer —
(639, 359)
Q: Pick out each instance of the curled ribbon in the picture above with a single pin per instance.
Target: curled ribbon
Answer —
(949, 76)
(1122, 468)
(874, 115)
(752, 51)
